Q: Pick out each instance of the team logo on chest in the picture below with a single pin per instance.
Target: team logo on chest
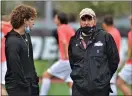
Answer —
(99, 43)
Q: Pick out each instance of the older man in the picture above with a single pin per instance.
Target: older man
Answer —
(93, 57)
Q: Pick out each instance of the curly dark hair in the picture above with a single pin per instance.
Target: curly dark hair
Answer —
(20, 13)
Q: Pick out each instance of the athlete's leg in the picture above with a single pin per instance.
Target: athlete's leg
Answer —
(3, 90)
(46, 82)
(70, 87)
(46, 78)
(113, 85)
(124, 78)
(123, 87)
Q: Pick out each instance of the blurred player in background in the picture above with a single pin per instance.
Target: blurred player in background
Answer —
(5, 28)
(61, 68)
(125, 75)
(108, 25)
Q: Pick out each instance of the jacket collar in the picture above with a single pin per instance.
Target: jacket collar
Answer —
(79, 35)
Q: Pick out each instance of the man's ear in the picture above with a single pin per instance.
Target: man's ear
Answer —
(25, 22)
(95, 22)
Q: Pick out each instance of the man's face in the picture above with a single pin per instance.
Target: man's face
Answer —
(30, 22)
(56, 20)
(87, 20)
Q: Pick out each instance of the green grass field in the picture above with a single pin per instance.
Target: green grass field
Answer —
(56, 88)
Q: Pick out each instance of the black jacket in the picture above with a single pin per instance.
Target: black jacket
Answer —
(93, 67)
(20, 66)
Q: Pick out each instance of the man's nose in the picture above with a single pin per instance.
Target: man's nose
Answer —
(87, 22)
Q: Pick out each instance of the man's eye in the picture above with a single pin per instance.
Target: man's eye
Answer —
(89, 18)
(83, 19)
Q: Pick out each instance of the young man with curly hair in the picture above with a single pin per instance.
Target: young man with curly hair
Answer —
(21, 78)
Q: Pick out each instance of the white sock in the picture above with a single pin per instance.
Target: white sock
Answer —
(70, 90)
(114, 89)
(46, 82)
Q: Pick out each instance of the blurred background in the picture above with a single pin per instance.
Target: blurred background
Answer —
(44, 33)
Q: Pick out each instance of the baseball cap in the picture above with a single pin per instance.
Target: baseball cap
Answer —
(87, 11)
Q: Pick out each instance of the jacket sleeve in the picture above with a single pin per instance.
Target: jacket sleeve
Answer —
(13, 60)
(70, 54)
(112, 54)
